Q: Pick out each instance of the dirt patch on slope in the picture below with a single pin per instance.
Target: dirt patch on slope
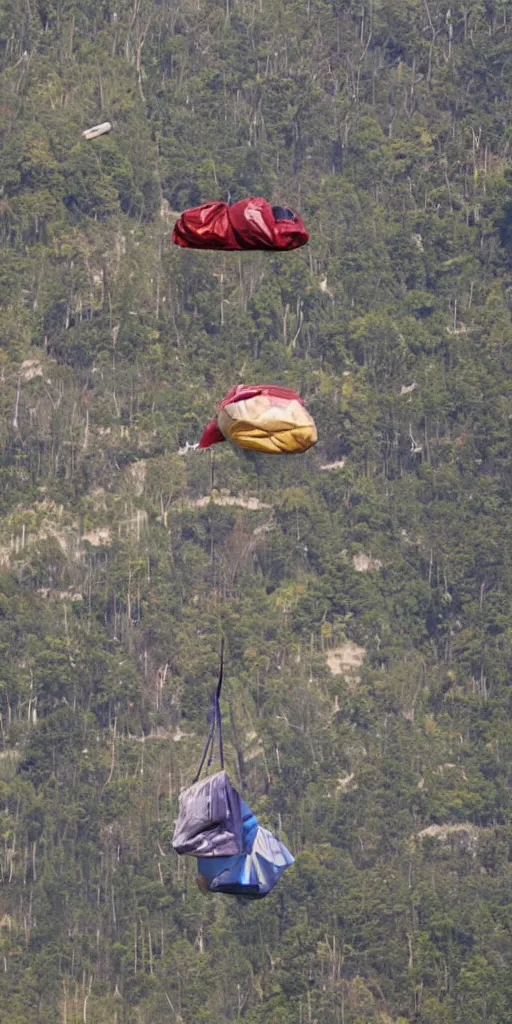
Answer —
(253, 504)
(346, 660)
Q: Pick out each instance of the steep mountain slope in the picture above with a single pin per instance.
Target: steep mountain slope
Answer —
(364, 589)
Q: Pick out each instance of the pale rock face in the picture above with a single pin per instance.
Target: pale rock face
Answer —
(250, 503)
(346, 659)
(465, 833)
(330, 466)
(138, 473)
(98, 537)
(363, 563)
(31, 368)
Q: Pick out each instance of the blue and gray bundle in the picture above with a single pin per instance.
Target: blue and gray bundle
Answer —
(236, 855)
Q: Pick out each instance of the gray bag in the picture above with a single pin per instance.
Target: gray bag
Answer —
(210, 819)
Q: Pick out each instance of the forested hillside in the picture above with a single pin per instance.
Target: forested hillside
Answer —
(364, 589)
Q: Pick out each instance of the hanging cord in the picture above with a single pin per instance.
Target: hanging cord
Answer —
(216, 725)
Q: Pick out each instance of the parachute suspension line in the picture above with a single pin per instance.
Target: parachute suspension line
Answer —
(216, 725)
(217, 703)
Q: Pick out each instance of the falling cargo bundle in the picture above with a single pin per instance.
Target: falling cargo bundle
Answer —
(98, 129)
(263, 418)
(236, 855)
(248, 224)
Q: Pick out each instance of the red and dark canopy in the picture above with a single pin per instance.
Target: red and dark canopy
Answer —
(248, 224)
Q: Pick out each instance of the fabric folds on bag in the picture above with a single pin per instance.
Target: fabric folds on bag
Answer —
(264, 418)
(254, 873)
(210, 819)
(247, 224)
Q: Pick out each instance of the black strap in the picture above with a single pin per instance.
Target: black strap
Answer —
(216, 725)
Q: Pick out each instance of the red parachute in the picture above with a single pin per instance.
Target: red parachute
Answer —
(248, 224)
(262, 418)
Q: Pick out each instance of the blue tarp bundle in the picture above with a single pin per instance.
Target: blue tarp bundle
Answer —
(236, 856)
(255, 871)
